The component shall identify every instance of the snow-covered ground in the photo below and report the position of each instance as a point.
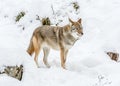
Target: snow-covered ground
(87, 63)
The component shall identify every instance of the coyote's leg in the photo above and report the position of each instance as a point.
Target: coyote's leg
(36, 49)
(66, 52)
(46, 53)
(62, 55)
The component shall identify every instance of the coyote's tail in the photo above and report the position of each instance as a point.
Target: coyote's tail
(30, 49)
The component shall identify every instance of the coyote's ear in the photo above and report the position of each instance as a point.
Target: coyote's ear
(80, 20)
(71, 21)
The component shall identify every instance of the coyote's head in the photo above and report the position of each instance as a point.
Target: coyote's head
(76, 28)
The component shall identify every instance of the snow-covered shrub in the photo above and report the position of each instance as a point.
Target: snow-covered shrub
(75, 5)
(46, 21)
(19, 16)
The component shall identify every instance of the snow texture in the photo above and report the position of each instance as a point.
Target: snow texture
(87, 63)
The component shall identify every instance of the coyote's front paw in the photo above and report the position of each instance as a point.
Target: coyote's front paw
(47, 65)
(63, 66)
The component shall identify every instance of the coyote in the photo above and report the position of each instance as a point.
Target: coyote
(55, 37)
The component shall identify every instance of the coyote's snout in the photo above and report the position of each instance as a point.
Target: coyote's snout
(58, 38)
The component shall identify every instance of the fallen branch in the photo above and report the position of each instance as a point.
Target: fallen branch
(113, 56)
(14, 71)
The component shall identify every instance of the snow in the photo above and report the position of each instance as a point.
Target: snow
(87, 63)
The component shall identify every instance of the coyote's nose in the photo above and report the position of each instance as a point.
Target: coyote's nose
(82, 33)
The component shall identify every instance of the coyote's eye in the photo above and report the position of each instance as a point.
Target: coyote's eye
(73, 28)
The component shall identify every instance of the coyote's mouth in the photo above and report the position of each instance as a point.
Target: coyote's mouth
(79, 35)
